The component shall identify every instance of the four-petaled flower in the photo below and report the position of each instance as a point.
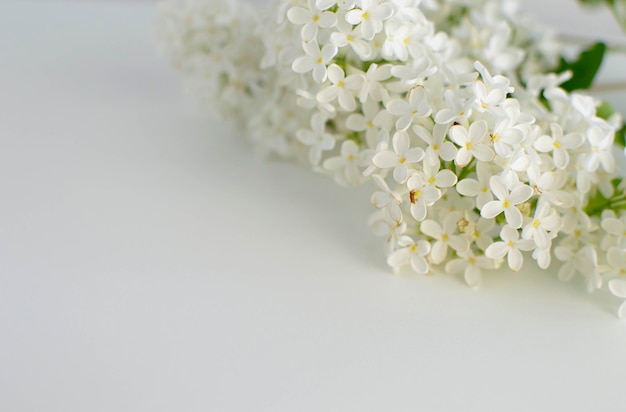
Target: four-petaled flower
(401, 156)
(511, 246)
(471, 143)
(315, 60)
(410, 253)
(370, 17)
(421, 195)
(311, 19)
(317, 138)
(445, 235)
(559, 145)
(507, 202)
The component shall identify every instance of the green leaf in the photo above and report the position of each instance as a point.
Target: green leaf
(584, 69)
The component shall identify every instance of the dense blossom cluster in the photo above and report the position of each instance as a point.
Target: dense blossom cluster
(477, 157)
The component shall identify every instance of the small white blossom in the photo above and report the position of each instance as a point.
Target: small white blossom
(471, 266)
(342, 88)
(471, 143)
(507, 202)
(415, 108)
(369, 17)
(445, 236)
(317, 138)
(310, 19)
(315, 60)
(559, 145)
(421, 196)
(401, 156)
(510, 246)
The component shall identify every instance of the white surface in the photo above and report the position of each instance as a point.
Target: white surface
(150, 262)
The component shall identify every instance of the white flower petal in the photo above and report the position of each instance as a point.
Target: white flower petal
(299, 15)
(401, 142)
(468, 187)
(458, 243)
(492, 209)
(385, 159)
(399, 258)
(418, 210)
(497, 250)
(618, 288)
(513, 217)
(400, 173)
(303, 64)
(431, 228)
(621, 312)
(566, 272)
(473, 277)
(521, 194)
(515, 259)
(439, 252)
(445, 178)
(419, 264)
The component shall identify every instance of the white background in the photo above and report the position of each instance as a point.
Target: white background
(149, 261)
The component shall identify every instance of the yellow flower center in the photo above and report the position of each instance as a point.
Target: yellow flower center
(506, 204)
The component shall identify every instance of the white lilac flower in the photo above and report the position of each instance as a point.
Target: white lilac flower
(550, 186)
(477, 188)
(510, 246)
(616, 228)
(616, 258)
(348, 36)
(421, 195)
(618, 288)
(369, 17)
(412, 253)
(412, 74)
(342, 88)
(372, 85)
(386, 199)
(471, 142)
(415, 108)
(491, 91)
(315, 60)
(479, 231)
(506, 137)
(438, 146)
(371, 121)
(346, 165)
(559, 145)
(601, 142)
(311, 19)
(445, 236)
(401, 156)
(471, 265)
(575, 261)
(457, 109)
(317, 138)
(438, 178)
(543, 222)
(507, 202)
